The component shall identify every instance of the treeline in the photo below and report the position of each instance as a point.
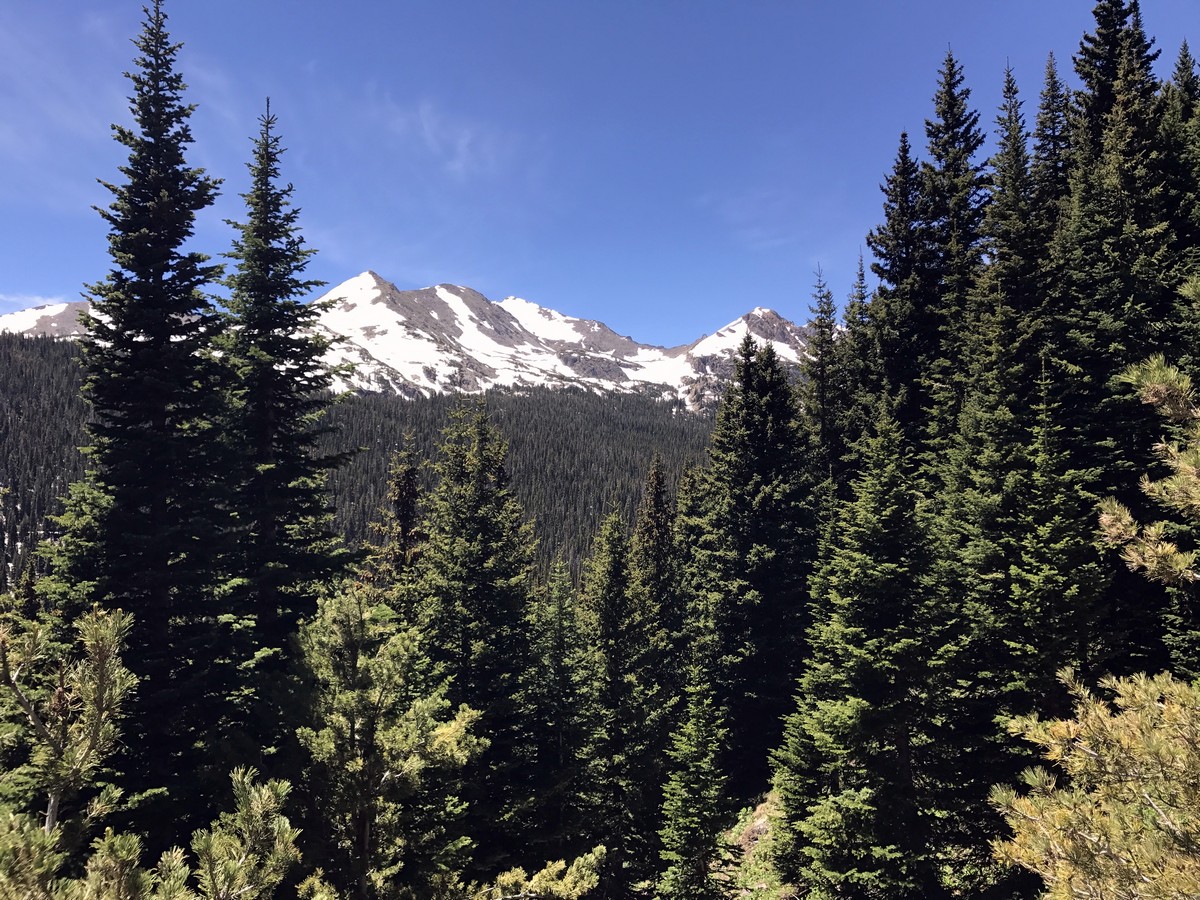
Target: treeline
(854, 611)
(41, 426)
(572, 453)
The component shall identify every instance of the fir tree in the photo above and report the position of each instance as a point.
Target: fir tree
(902, 315)
(852, 773)
(273, 422)
(155, 458)
(473, 584)
(749, 560)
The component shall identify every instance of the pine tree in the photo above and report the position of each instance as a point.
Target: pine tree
(386, 752)
(1123, 825)
(155, 458)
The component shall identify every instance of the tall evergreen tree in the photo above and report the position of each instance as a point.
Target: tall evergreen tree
(1050, 165)
(975, 529)
(280, 392)
(1057, 580)
(692, 833)
(1185, 80)
(955, 196)
(1118, 36)
(854, 364)
(392, 555)
(155, 459)
(561, 689)
(751, 556)
(902, 314)
(473, 584)
(818, 394)
(655, 595)
(852, 773)
(625, 754)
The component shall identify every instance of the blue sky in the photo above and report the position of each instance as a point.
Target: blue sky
(661, 165)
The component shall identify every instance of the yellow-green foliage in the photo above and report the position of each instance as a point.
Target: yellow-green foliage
(1126, 826)
(557, 881)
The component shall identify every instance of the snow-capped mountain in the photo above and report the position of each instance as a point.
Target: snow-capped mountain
(451, 338)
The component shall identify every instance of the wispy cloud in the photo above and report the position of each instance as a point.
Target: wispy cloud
(57, 108)
(461, 147)
(14, 302)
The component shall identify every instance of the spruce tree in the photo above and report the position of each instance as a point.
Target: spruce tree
(472, 587)
(902, 314)
(625, 771)
(750, 557)
(1113, 298)
(273, 422)
(1057, 580)
(976, 526)
(1051, 161)
(392, 555)
(656, 598)
(857, 814)
(693, 851)
(561, 689)
(817, 394)
(1118, 36)
(156, 463)
(854, 364)
(955, 199)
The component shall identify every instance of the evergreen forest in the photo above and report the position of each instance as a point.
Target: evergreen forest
(919, 621)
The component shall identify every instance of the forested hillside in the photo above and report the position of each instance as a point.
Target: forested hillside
(573, 454)
(820, 665)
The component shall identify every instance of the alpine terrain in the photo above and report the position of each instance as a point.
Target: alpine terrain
(449, 338)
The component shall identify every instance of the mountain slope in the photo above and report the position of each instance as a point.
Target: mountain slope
(449, 338)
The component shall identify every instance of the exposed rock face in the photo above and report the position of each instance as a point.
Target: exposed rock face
(451, 338)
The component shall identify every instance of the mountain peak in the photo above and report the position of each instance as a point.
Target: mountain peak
(449, 337)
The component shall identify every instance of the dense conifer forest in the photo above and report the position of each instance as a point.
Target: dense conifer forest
(821, 647)
(573, 455)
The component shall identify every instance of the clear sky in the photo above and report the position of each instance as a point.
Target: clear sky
(661, 165)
